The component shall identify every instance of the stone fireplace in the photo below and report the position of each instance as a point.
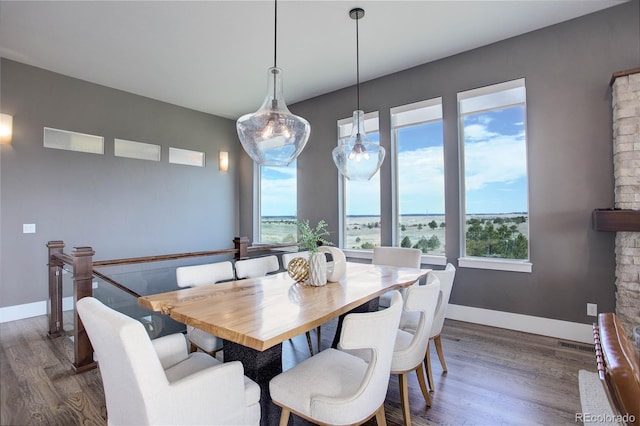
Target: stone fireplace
(626, 159)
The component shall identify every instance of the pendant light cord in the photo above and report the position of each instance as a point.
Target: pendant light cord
(275, 34)
(274, 104)
(357, 64)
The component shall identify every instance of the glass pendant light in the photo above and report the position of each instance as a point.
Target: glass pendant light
(357, 158)
(273, 136)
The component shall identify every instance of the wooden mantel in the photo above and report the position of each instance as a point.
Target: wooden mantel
(616, 220)
(623, 74)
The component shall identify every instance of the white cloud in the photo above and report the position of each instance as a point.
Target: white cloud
(421, 180)
(279, 195)
(496, 159)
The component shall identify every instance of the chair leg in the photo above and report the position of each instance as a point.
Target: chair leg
(404, 397)
(284, 416)
(318, 337)
(381, 419)
(438, 343)
(423, 384)
(309, 342)
(427, 366)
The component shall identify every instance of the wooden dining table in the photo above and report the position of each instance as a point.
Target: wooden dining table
(254, 316)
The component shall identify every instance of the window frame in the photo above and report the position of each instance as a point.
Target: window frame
(501, 264)
(257, 203)
(429, 259)
(347, 124)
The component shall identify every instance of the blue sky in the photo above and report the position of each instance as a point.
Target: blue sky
(278, 190)
(495, 162)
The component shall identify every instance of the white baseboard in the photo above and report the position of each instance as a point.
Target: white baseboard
(529, 324)
(28, 310)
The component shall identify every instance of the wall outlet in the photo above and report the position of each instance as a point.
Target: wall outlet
(28, 228)
(592, 309)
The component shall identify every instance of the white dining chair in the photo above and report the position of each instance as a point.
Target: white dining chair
(199, 275)
(395, 256)
(409, 320)
(288, 257)
(446, 285)
(336, 387)
(411, 343)
(256, 267)
(158, 382)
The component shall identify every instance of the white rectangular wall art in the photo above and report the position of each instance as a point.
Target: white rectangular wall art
(186, 157)
(73, 141)
(137, 150)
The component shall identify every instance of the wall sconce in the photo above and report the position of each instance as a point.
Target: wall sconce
(6, 128)
(223, 159)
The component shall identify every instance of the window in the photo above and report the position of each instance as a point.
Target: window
(361, 200)
(416, 132)
(278, 204)
(493, 157)
(73, 141)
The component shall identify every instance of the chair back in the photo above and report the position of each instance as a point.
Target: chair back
(397, 256)
(129, 365)
(288, 257)
(210, 273)
(420, 302)
(446, 284)
(374, 332)
(256, 267)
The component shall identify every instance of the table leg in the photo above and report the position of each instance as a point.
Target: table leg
(370, 306)
(261, 367)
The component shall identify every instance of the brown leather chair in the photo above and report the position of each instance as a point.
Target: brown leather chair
(618, 367)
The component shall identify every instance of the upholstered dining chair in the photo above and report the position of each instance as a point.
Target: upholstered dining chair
(158, 382)
(288, 257)
(395, 256)
(446, 285)
(256, 267)
(338, 388)
(411, 344)
(410, 319)
(198, 275)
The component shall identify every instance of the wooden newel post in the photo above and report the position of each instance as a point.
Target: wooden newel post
(82, 287)
(241, 245)
(55, 289)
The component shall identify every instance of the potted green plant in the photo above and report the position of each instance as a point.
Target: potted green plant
(310, 239)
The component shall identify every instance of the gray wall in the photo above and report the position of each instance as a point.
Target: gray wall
(121, 207)
(567, 69)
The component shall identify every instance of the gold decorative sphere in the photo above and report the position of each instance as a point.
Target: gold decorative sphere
(298, 269)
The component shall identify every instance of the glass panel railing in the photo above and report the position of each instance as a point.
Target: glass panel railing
(119, 287)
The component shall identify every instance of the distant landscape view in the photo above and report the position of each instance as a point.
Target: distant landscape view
(488, 235)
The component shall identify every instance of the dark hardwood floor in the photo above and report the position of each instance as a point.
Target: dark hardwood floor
(496, 377)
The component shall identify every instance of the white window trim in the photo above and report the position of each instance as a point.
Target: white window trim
(342, 222)
(512, 265)
(394, 159)
(257, 213)
(495, 264)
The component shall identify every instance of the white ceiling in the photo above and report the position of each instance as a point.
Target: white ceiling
(212, 56)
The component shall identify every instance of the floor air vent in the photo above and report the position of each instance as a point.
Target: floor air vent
(571, 345)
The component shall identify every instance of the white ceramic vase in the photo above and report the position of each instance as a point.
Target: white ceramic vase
(317, 269)
(338, 265)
